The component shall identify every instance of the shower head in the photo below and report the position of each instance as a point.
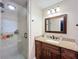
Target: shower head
(1, 5)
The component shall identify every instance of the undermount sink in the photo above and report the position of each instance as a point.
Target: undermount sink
(52, 41)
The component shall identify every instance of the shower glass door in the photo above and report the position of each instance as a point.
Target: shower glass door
(13, 31)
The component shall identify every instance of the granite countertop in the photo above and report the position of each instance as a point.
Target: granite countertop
(60, 43)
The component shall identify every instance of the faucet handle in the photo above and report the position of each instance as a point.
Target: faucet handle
(51, 37)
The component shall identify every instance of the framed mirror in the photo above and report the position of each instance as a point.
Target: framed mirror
(56, 24)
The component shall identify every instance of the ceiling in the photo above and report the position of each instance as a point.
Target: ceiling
(19, 2)
(41, 3)
(46, 3)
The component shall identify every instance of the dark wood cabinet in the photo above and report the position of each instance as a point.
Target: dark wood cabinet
(68, 54)
(46, 54)
(48, 51)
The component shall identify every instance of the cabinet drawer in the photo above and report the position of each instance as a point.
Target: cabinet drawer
(37, 42)
(52, 48)
(67, 51)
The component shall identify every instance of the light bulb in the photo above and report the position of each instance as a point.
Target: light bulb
(57, 9)
(52, 10)
(11, 7)
(48, 12)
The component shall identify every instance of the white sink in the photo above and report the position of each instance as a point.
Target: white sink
(53, 41)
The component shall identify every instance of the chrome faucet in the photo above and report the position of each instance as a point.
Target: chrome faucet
(54, 37)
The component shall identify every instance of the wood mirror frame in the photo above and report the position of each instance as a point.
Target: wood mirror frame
(65, 24)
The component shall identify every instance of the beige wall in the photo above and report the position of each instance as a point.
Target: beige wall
(0, 19)
(36, 27)
(68, 7)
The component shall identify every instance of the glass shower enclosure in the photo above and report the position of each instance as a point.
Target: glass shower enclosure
(13, 31)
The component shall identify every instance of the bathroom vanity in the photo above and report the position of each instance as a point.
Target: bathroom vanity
(51, 47)
(50, 50)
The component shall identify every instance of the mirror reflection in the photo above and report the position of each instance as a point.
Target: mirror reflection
(56, 24)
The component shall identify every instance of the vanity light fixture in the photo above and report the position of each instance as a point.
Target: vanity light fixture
(50, 11)
(11, 7)
(57, 9)
(53, 10)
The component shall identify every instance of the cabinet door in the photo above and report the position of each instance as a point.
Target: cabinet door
(38, 49)
(55, 55)
(46, 53)
(68, 54)
(50, 52)
(55, 52)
